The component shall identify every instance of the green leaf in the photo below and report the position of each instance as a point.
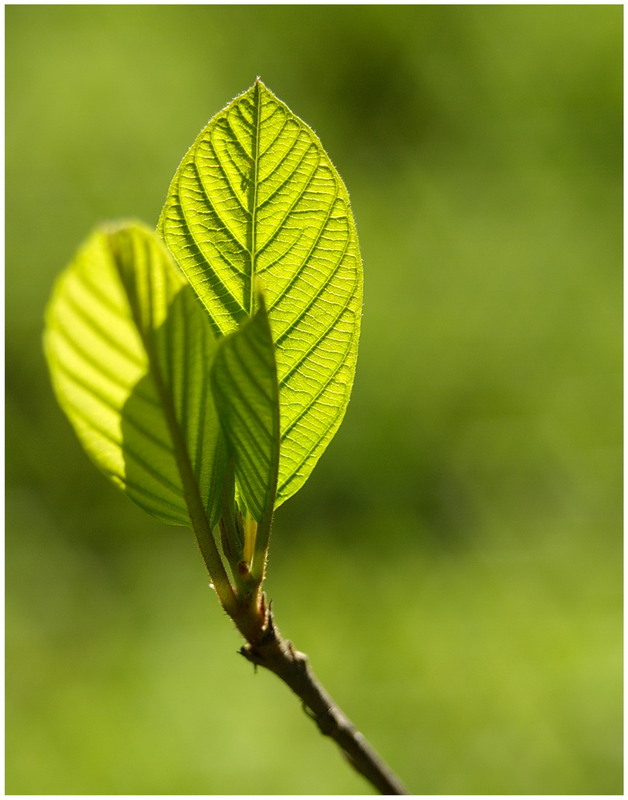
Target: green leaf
(257, 196)
(244, 382)
(129, 349)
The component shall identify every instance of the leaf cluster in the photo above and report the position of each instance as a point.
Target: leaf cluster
(205, 366)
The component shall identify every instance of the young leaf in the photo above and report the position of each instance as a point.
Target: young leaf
(257, 196)
(129, 350)
(244, 382)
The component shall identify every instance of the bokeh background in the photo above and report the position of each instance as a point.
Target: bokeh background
(453, 566)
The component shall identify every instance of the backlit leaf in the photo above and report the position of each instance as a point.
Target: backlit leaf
(129, 349)
(244, 381)
(257, 196)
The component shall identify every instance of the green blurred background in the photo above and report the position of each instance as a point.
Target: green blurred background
(453, 566)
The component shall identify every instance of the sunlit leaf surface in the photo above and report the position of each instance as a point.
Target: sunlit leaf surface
(256, 196)
(246, 393)
(129, 349)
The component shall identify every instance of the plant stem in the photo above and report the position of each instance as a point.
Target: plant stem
(278, 655)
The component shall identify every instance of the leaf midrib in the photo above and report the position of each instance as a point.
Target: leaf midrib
(253, 191)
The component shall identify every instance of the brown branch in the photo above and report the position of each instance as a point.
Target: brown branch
(278, 655)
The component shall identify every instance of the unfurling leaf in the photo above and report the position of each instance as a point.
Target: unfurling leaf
(256, 196)
(244, 382)
(129, 349)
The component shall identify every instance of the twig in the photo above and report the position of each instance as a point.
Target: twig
(278, 655)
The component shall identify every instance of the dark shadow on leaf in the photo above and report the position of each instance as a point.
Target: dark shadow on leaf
(170, 417)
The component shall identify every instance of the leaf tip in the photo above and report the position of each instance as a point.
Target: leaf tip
(259, 84)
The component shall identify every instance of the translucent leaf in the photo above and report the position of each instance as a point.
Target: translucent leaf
(244, 380)
(129, 349)
(257, 196)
